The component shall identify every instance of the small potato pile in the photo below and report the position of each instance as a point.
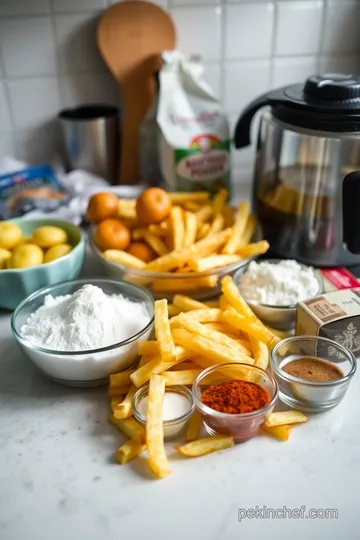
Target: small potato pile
(46, 244)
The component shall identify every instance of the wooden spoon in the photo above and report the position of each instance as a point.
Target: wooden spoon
(130, 36)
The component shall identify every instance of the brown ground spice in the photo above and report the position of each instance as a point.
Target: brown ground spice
(313, 369)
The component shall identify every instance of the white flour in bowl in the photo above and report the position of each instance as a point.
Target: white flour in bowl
(86, 320)
(283, 283)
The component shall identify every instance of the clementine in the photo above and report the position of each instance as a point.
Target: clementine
(153, 206)
(142, 251)
(102, 206)
(112, 234)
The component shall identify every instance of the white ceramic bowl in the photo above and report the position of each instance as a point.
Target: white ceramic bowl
(85, 368)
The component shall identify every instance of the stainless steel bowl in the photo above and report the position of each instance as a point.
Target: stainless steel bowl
(306, 395)
(280, 317)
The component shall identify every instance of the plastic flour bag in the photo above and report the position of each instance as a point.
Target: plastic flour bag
(194, 140)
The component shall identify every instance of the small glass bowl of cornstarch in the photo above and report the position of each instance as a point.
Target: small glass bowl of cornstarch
(273, 287)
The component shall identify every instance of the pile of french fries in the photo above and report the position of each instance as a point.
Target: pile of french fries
(191, 336)
(200, 235)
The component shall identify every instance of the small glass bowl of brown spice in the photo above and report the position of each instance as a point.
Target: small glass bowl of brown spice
(234, 399)
(313, 373)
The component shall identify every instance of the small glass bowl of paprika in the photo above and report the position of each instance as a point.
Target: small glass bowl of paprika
(234, 399)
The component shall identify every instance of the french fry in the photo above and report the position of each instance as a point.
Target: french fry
(163, 332)
(217, 225)
(282, 433)
(138, 234)
(234, 298)
(178, 228)
(130, 427)
(190, 223)
(254, 330)
(156, 366)
(188, 284)
(201, 447)
(122, 378)
(146, 359)
(202, 231)
(124, 409)
(127, 209)
(193, 430)
(214, 261)
(128, 451)
(184, 377)
(192, 206)
(285, 417)
(248, 232)
(215, 352)
(201, 315)
(211, 303)
(260, 353)
(156, 243)
(210, 244)
(204, 214)
(115, 401)
(185, 303)
(157, 230)
(228, 215)
(185, 197)
(238, 228)
(173, 310)
(219, 201)
(116, 391)
(154, 428)
(121, 257)
(252, 250)
(171, 260)
(200, 329)
(148, 348)
(223, 303)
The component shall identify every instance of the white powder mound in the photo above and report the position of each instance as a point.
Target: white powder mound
(279, 284)
(88, 319)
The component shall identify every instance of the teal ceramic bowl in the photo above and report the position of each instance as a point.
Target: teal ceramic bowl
(15, 285)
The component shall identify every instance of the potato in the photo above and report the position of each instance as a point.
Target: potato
(55, 252)
(26, 256)
(10, 235)
(5, 254)
(49, 235)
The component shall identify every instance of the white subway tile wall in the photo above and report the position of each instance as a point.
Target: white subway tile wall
(49, 59)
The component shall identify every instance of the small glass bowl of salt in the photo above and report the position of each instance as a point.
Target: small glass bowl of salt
(178, 407)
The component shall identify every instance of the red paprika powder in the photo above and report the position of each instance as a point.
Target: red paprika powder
(236, 397)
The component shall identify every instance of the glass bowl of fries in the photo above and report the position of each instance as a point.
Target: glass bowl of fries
(239, 426)
(198, 243)
(83, 368)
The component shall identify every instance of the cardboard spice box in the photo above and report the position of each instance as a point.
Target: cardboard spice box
(334, 315)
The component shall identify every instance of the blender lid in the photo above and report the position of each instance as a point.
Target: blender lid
(327, 102)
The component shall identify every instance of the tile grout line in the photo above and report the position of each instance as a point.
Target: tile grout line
(273, 43)
(220, 5)
(320, 52)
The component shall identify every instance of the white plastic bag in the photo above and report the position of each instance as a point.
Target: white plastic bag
(194, 139)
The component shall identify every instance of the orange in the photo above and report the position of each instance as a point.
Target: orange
(102, 206)
(142, 251)
(112, 234)
(153, 206)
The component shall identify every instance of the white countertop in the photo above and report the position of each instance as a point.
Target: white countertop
(58, 479)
